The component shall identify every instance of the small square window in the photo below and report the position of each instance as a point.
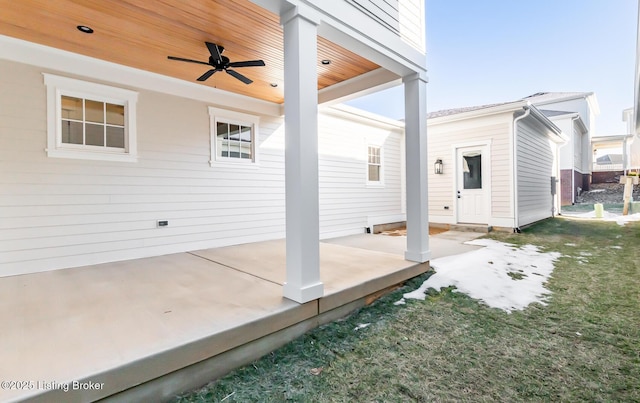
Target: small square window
(233, 137)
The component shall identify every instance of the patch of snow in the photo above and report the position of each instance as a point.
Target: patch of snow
(597, 191)
(607, 216)
(401, 301)
(483, 274)
(570, 244)
(623, 219)
(361, 326)
(616, 247)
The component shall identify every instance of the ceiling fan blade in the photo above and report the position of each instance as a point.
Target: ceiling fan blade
(215, 50)
(206, 75)
(187, 60)
(239, 76)
(248, 63)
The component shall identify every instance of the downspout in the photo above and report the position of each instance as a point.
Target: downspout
(527, 112)
(573, 163)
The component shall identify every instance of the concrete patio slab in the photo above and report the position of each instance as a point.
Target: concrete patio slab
(146, 329)
(90, 322)
(267, 260)
(443, 244)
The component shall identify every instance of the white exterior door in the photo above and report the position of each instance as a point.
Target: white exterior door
(471, 185)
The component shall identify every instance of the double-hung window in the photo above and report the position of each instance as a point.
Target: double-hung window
(374, 165)
(233, 137)
(90, 121)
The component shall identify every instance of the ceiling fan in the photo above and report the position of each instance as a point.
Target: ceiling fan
(221, 63)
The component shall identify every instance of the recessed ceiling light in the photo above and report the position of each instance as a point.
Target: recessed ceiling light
(85, 29)
(274, 85)
(326, 61)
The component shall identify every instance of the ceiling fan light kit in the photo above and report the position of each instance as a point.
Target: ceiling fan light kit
(221, 63)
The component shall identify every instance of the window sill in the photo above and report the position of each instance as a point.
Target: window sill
(91, 155)
(374, 185)
(234, 164)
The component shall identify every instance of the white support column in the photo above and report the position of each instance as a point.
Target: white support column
(301, 158)
(415, 100)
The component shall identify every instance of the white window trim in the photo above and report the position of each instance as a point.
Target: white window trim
(380, 183)
(239, 118)
(58, 86)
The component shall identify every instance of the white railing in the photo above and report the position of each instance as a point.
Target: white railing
(607, 167)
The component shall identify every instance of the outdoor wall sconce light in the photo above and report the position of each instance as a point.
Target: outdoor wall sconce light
(438, 167)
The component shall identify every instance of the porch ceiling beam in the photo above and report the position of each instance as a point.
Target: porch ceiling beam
(373, 81)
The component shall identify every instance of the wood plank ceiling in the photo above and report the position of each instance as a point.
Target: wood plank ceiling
(142, 33)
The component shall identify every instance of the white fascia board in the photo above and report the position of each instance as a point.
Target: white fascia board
(581, 125)
(352, 113)
(21, 51)
(581, 95)
(494, 110)
(575, 116)
(610, 139)
(373, 81)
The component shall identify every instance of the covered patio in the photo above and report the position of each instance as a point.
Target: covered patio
(143, 308)
(146, 329)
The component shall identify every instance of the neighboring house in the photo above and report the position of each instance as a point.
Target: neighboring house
(574, 113)
(110, 151)
(611, 157)
(498, 163)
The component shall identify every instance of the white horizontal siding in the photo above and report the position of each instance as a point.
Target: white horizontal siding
(535, 166)
(57, 213)
(404, 19)
(346, 202)
(412, 22)
(384, 11)
(445, 137)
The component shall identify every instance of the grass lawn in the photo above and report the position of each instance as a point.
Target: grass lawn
(583, 346)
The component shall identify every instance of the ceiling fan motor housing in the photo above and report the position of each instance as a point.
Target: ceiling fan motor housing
(219, 64)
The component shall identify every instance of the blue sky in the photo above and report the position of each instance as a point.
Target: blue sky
(488, 51)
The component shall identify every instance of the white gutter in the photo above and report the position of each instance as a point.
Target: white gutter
(527, 112)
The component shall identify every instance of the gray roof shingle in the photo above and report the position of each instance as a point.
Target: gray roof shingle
(447, 112)
(554, 96)
(538, 97)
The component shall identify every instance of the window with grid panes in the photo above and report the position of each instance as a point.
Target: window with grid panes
(374, 172)
(234, 141)
(90, 121)
(233, 137)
